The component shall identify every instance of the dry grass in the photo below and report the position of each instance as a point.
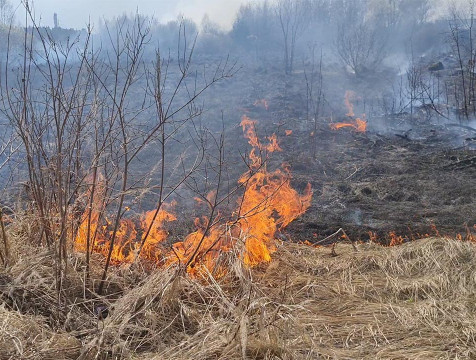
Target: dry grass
(415, 301)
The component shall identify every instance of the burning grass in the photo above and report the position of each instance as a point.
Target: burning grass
(243, 293)
(268, 205)
(412, 301)
(357, 124)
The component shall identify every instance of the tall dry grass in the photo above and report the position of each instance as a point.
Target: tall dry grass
(415, 301)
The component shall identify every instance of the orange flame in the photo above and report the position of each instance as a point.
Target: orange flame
(268, 205)
(248, 126)
(127, 242)
(396, 240)
(359, 124)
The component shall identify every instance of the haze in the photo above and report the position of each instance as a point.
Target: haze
(75, 14)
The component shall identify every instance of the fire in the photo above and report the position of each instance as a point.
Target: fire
(157, 234)
(469, 236)
(268, 204)
(359, 124)
(288, 132)
(257, 150)
(395, 239)
(128, 241)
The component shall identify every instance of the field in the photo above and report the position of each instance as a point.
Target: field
(413, 301)
(300, 186)
(363, 300)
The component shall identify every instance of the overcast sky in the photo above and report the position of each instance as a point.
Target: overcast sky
(75, 13)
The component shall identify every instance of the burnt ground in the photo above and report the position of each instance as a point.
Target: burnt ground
(407, 174)
(368, 182)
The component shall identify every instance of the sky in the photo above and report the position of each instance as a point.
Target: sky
(75, 13)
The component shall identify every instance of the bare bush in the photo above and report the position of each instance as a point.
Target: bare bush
(359, 47)
(85, 116)
(293, 20)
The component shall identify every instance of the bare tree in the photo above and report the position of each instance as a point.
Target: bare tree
(414, 80)
(461, 39)
(83, 128)
(394, 13)
(359, 46)
(293, 20)
(49, 121)
(314, 95)
(6, 12)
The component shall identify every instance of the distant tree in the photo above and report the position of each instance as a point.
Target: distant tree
(212, 40)
(415, 12)
(359, 47)
(360, 42)
(293, 17)
(9, 33)
(209, 27)
(463, 45)
(253, 20)
(345, 10)
(385, 13)
(6, 12)
(256, 30)
(393, 13)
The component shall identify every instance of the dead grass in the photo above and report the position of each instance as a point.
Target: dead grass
(415, 301)
(27, 337)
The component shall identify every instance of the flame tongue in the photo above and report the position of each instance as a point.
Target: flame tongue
(268, 204)
(157, 234)
(359, 125)
(128, 242)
